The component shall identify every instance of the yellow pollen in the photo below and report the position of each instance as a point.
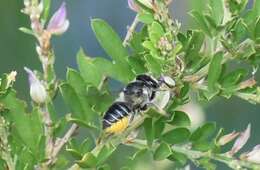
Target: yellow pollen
(119, 126)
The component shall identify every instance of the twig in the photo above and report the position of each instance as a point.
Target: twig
(130, 31)
(116, 140)
(5, 148)
(61, 142)
(195, 155)
(47, 131)
(224, 158)
(43, 48)
(168, 2)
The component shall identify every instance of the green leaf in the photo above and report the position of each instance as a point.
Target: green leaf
(77, 150)
(81, 122)
(137, 64)
(201, 21)
(125, 168)
(178, 158)
(153, 65)
(211, 23)
(113, 46)
(207, 164)
(233, 78)
(27, 126)
(72, 100)
(74, 153)
(109, 40)
(155, 31)
(149, 45)
(140, 153)
(76, 81)
(179, 118)
(257, 30)
(104, 167)
(256, 6)
(175, 136)
(27, 31)
(246, 49)
(94, 96)
(104, 153)
(215, 69)
(249, 20)
(195, 42)
(88, 69)
(146, 17)
(149, 131)
(203, 145)
(46, 11)
(86, 145)
(41, 147)
(107, 68)
(217, 10)
(236, 7)
(159, 126)
(185, 90)
(136, 42)
(162, 152)
(88, 161)
(202, 133)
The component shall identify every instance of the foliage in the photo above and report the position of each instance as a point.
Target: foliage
(196, 59)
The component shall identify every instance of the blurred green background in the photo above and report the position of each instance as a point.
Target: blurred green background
(17, 50)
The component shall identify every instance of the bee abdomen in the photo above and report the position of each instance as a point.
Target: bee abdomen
(116, 118)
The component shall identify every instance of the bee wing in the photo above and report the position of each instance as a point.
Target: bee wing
(120, 97)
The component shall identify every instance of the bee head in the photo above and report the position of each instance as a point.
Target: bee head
(149, 81)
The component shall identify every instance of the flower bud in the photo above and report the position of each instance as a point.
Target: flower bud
(132, 5)
(37, 90)
(254, 155)
(26, 3)
(59, 23)
(227, 138)
(241, 140)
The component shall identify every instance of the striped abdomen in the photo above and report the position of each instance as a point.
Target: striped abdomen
(116, 118)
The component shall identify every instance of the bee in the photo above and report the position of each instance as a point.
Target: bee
(116, 118)
(139, 95)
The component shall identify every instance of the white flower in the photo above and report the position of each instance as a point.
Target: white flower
(241, 140)
(59, 23)
(254, 155)
(11, 78)
(37, 90)
(227, 138)
(132, 5)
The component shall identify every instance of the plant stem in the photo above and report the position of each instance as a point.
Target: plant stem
(61, 142)
(224, 158)
(47, 130)
(194, 155)
(130, 31)
(115, 140)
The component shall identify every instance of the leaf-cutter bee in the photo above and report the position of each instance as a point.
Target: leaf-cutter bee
(139, 95)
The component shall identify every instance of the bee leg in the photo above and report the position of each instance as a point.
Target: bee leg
(131, 137)
(133, 115)
(160, 110)
(103, 137)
